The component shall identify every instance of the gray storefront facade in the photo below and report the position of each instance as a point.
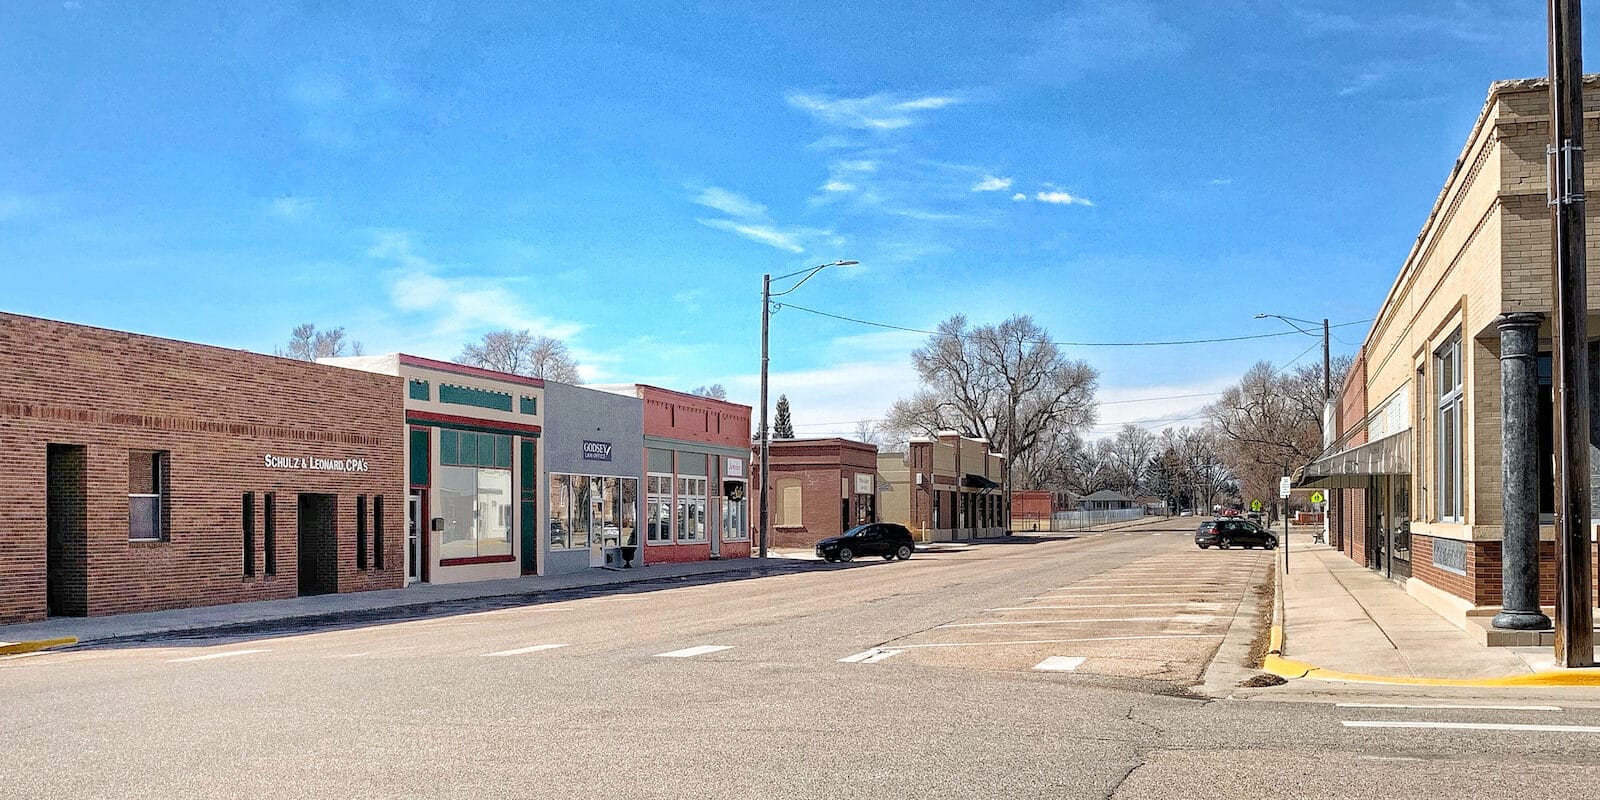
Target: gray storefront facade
(594, 462)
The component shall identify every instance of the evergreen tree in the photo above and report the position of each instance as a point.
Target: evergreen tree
(783, 427)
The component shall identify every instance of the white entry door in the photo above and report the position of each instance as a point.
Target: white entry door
(414, 538)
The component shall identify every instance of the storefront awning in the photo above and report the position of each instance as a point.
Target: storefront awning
(979, 482)
(1355, 467)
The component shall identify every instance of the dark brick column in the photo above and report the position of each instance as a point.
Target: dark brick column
(1519, 473)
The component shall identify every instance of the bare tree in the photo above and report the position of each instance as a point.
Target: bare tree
(1131, 452)
(869, 433)
(1006, 383)
(522, 353)
(1271, 421)
(714, 391)
(306, 343)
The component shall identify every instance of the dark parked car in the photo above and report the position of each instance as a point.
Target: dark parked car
(872, 539)
(1226, 533)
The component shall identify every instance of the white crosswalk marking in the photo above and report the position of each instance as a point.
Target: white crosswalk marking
(1435, 706)
(691, 652)
(1060, 663)
(530, 649)
(209, 656)
(872, 656)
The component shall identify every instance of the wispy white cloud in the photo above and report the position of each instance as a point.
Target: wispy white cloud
(15, 205)
(750, 219)
(878, 112)
(731, 203)
(1105, 34)
(1058, 197)
(1221, 181)
(289, 208)
(1362, 83)
(1019, 197)
(757, 232)
(440, 309)
(837, 185)
(990, 183)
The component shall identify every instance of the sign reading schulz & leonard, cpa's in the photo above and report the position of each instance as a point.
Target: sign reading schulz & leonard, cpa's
(315, 463)
(596, 451)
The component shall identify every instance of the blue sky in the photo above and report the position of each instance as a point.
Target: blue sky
(621, 174)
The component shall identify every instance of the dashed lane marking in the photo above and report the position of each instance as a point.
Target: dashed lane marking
(1188, 604)
(1084, 621)
(872, 656)
(1471, 726)
(1060, 663)
(1436, 706)
(1064, 641)
(209, 656)
(698, 650)
(521, 650)
(348, 655)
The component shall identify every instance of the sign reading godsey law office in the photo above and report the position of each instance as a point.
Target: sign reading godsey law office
(596, 451)
(317, 463)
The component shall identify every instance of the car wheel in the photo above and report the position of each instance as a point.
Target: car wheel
(1272, 545)
(903, 553)
(846, 555)
(1224, 543)
(1205, 547)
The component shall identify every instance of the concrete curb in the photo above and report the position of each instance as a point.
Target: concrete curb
(15, 648)
(1276, 664)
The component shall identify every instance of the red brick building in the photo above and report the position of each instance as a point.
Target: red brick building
(142, 473)
(944, 488)
(1033, 509)
(820, 488)
(697, 468)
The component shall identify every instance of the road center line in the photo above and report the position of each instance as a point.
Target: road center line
(530, 649)
(1187, 604)
(1064, 641)
(1471, 726)
(1084, 621)
(209, 656)
(1448, 706)
(698, 650)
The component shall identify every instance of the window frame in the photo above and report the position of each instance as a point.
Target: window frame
(655, 501)
(1448, 449)
(160, 480)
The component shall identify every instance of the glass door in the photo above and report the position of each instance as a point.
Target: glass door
(414, 538)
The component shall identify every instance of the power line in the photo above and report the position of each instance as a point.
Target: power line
(888, 326)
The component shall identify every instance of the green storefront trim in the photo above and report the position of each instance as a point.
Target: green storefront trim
(485, 427)
(421, 458)
(478, 398)
(418, 390)
(530, 529)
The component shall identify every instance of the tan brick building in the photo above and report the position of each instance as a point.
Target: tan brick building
(1416, 469)
(944, 488)
(139, 473)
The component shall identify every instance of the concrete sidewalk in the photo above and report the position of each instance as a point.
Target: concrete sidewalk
(125, 626)
(1342, 621)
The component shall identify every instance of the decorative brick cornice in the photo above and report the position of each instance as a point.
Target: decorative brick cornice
(116, 419)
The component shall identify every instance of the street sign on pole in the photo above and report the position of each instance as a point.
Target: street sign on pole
(1317, 498)
(1283, 487)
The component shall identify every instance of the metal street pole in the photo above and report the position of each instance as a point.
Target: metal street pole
(765, 440)
(766, 313)
(1327, 370)
(1574, 623)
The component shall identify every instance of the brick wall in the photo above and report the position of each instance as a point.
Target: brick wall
(216, 412)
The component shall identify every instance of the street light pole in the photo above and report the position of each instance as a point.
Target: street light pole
(765, 440)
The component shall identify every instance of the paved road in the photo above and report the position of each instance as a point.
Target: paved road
(870, 680)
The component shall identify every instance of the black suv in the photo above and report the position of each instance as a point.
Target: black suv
(872, 539)
(1225, 533)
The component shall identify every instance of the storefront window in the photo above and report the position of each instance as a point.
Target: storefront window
(691, 509)
(735, 520)
(658, 509)
(587, 510)
(476, 504)
(1447, 450)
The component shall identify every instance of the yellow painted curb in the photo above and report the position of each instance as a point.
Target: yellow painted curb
(1292, 669)
(13, 648)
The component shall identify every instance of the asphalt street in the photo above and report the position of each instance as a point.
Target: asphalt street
(1100, 665)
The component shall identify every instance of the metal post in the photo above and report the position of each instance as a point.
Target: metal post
(1519, 474)
(1286, 526)
(766, 312)
(1327, 371)
(1574, 623)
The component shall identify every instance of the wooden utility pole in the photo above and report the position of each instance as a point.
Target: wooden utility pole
(1574, 613)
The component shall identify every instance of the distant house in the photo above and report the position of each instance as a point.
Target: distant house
(1106, 500)
(1152, 505)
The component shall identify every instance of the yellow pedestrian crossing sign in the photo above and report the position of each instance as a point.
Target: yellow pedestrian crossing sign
(1316, 497)
(1255, 505)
